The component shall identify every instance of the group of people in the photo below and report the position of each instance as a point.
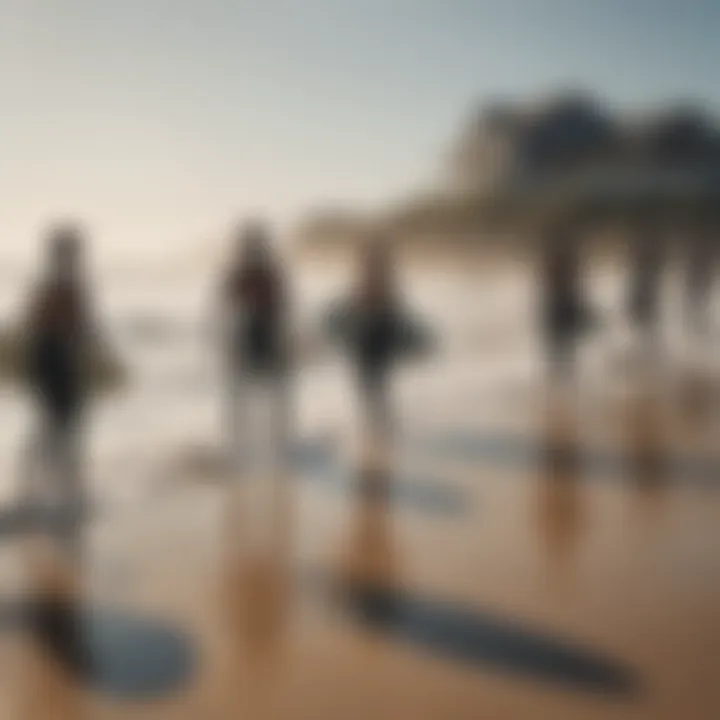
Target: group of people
(61, 339)
(565, 308)
(372, 325)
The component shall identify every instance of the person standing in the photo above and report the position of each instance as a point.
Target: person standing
(376, 326)
(565, 314)
(59, 331)
(255, 306)
(646, 274)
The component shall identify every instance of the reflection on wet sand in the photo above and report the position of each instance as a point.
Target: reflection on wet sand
(648, 464)
(699, 399)
(515, 452)
(370, 555)
(317, 461)
(559, 503)
(370, 589)
(256, 593)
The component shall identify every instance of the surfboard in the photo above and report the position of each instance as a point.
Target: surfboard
(410, 337)
(107, 372)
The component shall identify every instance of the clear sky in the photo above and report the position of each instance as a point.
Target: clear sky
(160, 120)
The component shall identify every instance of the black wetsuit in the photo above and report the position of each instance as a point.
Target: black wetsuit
(564, 313)
(56, 352)
(258, 344)
(376, 344)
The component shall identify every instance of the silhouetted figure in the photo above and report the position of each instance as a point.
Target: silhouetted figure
(377, 326)
(647, 266)
(565, 312)
(255, 306)
(701, 262)
(370, 557)
(59, 331)
(377, 330)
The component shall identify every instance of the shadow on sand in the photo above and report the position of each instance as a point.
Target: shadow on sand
(369, 587)
(478, 639)
(117, 654)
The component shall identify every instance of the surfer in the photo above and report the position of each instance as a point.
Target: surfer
(254, 302)
(375, 319)
(59, 329)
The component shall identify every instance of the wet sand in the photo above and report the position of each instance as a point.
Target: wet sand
(516, 553)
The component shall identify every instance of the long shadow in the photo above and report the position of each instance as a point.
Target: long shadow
(467, 636)
(519, 452)
(120, 655)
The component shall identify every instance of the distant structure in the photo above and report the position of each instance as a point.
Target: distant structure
(684, 139)
(507, 145)
(515, 157)
(572, 138)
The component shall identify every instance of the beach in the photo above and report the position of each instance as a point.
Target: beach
(543, 553)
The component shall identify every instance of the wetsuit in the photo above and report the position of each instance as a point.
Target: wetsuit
(376, 340)
(257, 354)
(375, 346)
(56, 368)
(57, 349)
(257, 332)
(564, 314)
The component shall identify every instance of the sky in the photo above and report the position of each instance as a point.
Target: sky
(160, 122)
